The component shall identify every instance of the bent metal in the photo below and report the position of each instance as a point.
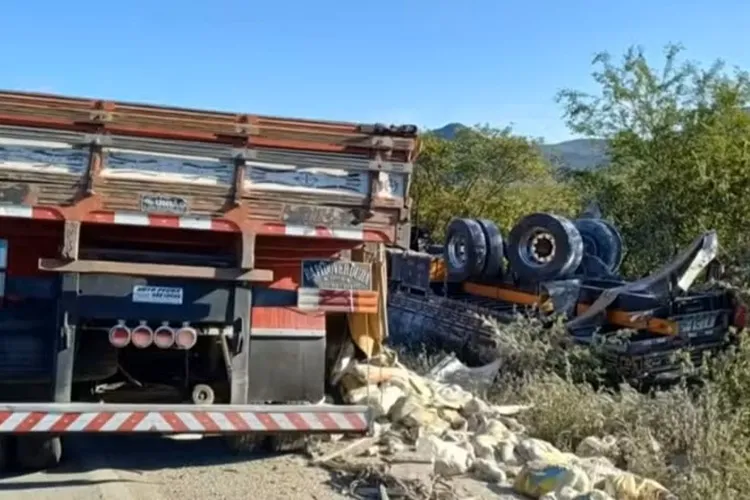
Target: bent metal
(336, 275)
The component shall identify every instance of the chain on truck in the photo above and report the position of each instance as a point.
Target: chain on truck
(164, 269)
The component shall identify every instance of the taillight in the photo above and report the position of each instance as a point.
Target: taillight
(186, 337)
(119, 335)
(142, 336)
(164, 337)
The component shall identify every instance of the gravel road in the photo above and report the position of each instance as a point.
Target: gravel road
(139, 467)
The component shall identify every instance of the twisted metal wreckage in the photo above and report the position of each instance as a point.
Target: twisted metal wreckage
(549, 265)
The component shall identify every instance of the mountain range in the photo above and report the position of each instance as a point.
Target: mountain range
(576, 154)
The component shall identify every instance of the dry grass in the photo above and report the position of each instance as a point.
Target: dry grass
(694, 441)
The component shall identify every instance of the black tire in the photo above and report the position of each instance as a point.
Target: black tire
(286, 443)
(619, 244)
(466, 232)
(95, 359)
(6, 453)
(543, 247)
(602, 240)
(38, 452)
(495, 262)
(247, 443)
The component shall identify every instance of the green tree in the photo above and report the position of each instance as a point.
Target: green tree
(484, 172)
(679, 142)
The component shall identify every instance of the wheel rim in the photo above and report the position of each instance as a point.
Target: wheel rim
(457, 253)
(202, 395)
(540, 248)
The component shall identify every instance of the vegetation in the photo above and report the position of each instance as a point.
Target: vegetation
(697, 443)
(679, 160)
(484, 172)
(678, 145)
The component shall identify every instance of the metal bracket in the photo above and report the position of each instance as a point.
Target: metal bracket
(397, 167)
(244, 126)
(244, 153)
(102, 112)
(92, 169)
(97, 140)
(247, 250)
(239, 181)
(382, 143)
(71, 240)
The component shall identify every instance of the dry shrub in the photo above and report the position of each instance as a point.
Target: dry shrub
(695, 441)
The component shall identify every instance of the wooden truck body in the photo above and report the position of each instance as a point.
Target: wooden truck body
(149, 246)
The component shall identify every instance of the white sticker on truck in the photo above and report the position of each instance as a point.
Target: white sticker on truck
(157, 294)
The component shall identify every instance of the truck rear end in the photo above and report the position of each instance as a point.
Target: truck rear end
(156, 261)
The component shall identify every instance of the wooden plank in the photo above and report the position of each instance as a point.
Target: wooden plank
(141, 269)
(60, 112)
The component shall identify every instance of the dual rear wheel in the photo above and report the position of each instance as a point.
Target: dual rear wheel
(540, 247)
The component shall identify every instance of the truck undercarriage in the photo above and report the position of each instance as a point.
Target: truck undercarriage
(560, 267)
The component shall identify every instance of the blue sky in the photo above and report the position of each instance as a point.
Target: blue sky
(427, 62)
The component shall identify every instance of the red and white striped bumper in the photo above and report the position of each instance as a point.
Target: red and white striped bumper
(65, 418)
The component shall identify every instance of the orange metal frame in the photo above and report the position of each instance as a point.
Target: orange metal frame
(617, 317)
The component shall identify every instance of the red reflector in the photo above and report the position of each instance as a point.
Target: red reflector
(119, 336)
(142, 336)
(186, 337)
(164, 337)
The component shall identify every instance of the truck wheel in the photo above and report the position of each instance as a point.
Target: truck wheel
(286, 443)
(246, 443)
(96, 359)
(38, 452)
(543, 247)
(465, 250)
(602, 240)
(203, 395)
(493, 267)
(6, 452)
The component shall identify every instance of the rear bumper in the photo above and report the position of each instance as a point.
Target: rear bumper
(68, 418)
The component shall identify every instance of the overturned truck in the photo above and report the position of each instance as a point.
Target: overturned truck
(549, 265)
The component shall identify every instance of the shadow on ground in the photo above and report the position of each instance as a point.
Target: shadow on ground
(135, 454)
(147, 453)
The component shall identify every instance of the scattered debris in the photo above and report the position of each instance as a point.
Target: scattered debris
(433, 434)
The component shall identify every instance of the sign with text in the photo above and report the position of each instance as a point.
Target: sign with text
(336, 275)
(156, 203)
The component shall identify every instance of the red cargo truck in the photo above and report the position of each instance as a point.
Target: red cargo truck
(145, 246)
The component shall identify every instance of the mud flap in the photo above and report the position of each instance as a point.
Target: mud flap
(67, 320)
(240, 359)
